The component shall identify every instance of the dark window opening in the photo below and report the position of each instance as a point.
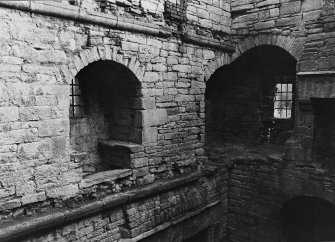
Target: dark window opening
(75, 99)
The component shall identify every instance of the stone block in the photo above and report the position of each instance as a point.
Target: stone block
(130, 46)
(25, 188)
(151, 77)
(159, 67)
(139, 162)
(265, 25)
(154, 117)
(149, 135)
(63, 192)
(53, 127)
(182, 68)
(7, 205)
(294, 20)
(33, 198)
(267, 2)
(9, 114)
(54, 56)
(7, 191)
(308, 5)
(208, 54)
(290, 8)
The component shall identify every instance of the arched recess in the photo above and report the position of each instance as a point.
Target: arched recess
(307, 219)
(250, 101)
(294, 46)
(105, 109)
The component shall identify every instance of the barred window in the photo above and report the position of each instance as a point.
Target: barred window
(283, 100)
(75, 99)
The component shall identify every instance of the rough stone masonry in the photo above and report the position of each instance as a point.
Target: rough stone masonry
(105, 106)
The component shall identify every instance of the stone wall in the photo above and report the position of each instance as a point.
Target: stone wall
(141, 214)
(309, 22)
(39, 60)
(260, 185)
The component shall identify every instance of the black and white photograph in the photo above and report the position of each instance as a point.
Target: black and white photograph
(167, 120)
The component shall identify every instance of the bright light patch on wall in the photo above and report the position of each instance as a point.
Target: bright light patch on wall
(283, 100)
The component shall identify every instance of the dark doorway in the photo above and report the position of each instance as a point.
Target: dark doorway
(324, 131)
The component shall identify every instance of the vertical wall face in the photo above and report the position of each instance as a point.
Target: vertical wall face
(212, 17)
(153, 98)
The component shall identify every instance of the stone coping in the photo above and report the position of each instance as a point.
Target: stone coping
(315, 73)
(61, 10)
(132, 147)
(29, 226)
(207, 42)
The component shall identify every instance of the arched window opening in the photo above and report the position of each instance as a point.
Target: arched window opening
(251, 101)
(105, 116)
(307, 219)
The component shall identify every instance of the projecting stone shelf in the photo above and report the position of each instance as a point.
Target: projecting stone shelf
(207, 42)
(119, 154)
(104, 177)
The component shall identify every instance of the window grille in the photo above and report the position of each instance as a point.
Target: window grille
(283, 100)
(75, 96)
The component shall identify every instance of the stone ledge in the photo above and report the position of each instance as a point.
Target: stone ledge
(207, 42)
(27, 227)
(315, 73)
(104, 177)
(131, 147)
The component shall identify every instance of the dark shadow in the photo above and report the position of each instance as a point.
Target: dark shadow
(308, 219)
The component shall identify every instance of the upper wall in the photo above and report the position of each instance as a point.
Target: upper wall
(204, 17)
(310, 21)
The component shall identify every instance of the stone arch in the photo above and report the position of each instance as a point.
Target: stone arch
(215, 64)
(86, 57)
(294, 46)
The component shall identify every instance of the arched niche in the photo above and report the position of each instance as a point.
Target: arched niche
(243, 98)
(105, 116)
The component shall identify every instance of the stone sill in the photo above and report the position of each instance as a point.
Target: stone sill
(28, 227)
(115, 144)
(104, 177)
